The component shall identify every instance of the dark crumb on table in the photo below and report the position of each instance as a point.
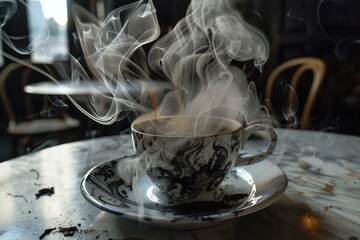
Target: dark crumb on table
(86, 231)
(69, 231)
(45, 191)
(46, 232)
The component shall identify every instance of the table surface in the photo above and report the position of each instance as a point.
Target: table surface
(321, 201)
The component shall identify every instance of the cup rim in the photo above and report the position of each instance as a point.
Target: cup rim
(142, 119)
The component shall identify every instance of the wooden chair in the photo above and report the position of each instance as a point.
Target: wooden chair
(298, 67)
(25, 127)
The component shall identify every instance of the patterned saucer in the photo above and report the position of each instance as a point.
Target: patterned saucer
(245, 190)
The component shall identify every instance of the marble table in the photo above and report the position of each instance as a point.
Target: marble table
(322, 200)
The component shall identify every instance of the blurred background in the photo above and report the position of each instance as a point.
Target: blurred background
(325, 29)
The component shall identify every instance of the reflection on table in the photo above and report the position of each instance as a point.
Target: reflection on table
(65, 88)
(94, 87)
(321, 201)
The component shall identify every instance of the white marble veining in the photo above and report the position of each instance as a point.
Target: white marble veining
(321, 201)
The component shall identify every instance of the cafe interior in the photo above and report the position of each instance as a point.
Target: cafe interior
(311, 71)
(179, 119)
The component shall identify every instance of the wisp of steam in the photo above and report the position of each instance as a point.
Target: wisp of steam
(205, 58)
(197, 70)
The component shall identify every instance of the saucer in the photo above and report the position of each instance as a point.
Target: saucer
(245, 190)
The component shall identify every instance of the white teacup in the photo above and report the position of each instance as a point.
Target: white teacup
(188, 166)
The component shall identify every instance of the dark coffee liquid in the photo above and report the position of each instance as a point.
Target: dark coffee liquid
(183, 126)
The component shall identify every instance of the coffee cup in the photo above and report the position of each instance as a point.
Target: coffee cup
(187, 159)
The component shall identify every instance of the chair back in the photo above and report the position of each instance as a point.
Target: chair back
(18, 105)
(27, 127)
(5, 74)
(299, 67)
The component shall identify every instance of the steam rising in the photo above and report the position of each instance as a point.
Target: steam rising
(113, 53)
(199, 57)
(195, 74)
(199, 69)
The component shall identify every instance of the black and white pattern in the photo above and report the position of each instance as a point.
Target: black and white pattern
(188, 169)
(243, 191)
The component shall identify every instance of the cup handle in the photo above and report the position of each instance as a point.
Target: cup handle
(250, 130)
